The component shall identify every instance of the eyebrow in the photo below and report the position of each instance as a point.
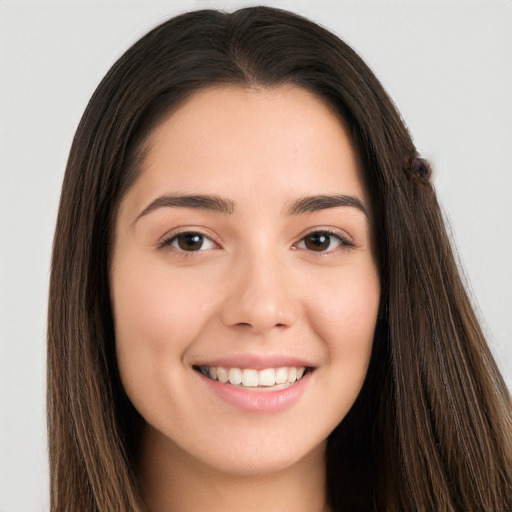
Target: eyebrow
(322, 202)
(198, 202)
(219, 204)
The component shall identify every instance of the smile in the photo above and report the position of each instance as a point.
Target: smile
(268, 378)
(257, 390)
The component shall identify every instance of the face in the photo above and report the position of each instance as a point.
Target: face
(244, 284)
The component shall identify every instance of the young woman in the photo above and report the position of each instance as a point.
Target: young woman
(254, 304)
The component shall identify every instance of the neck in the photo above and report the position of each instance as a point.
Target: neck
(173, 481)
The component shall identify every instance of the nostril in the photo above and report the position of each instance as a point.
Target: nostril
(249, 325)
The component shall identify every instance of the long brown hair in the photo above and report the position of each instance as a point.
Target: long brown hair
(431, 427)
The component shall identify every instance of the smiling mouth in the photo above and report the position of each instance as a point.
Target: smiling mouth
(268, 378)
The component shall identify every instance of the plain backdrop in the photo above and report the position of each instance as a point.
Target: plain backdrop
(447, 64)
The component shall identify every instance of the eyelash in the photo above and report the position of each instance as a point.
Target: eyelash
(343, 242)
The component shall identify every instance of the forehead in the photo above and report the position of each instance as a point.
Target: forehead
(282, 114)
(245, 141)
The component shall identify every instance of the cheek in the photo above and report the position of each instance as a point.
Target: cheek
(156, 316)
(345, 314)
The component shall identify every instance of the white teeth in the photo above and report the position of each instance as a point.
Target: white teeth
(267, 377)
(292, 375)
(281, 375)
(222, 374)
(248, 377)
(235, 376)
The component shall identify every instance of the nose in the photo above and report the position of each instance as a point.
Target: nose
(260, 296)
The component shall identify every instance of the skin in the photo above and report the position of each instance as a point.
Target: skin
(257, 286)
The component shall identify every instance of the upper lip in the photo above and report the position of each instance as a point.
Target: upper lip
(256, 361)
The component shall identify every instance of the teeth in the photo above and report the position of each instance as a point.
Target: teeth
(222, 374)
(235, 376)
(281, 375)
(267, 377)
(251, 378)
(292, 375)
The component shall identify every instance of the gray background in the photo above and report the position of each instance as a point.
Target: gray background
(447, 64)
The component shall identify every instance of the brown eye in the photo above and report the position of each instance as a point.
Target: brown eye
(190, 242)
(317, 241)
(323, 241)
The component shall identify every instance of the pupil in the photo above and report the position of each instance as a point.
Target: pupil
(190, 241)
(318, 242)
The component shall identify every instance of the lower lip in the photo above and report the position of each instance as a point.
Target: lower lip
(259, 401)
